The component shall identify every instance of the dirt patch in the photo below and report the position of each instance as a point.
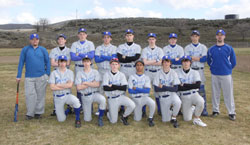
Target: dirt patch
(243, 61)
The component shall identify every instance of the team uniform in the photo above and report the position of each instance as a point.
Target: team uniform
(56, 52)
(62, 97)
(222, 60)
(90, 94)
(141, 95)
(116, 98)
(175, 51)
(103, 54)
(152, 54)
(167, 98)
(128, 68)
(190, 97)
(199, 50)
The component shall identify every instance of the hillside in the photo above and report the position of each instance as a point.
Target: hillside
(237, 31)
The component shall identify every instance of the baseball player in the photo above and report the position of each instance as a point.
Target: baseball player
(79, 50)
(139, 88)
(188, 89)
(221, 59)
(151, 56)
(115, 85)
(104, 53)
(128, 53)
(61, 49)
(198, 53)
(166, 84)
(37, 67)
(174, 50)
(61, 81)
(87, 83)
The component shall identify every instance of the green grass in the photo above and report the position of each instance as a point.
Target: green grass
(48, 131)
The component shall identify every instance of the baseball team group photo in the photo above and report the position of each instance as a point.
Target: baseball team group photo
(124, 72)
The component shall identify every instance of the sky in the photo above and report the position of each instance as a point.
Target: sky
(30, 11)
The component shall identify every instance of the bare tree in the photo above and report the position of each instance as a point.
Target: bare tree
(42, 24)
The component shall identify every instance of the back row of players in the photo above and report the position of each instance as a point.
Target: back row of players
(157, 63)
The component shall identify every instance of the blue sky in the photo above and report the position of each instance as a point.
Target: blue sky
(29, 11)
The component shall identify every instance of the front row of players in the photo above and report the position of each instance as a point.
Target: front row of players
(168, 84)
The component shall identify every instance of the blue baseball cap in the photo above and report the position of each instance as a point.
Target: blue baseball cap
(85, 57)
(62, 57)
(129, 31)
(186, 57)
(195, 32)
(221, 31)
(173, 35)
(61, 35)
(166, 57)
(152, 35)
(82, 30)
(32, 36)
(106, 33)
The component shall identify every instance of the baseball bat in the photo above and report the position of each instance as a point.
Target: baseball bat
(16, 106)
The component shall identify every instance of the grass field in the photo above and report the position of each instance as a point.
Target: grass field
(48, 131)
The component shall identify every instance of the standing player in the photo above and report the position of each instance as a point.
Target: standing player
(37, 66)
(198, 53)
(128, 53)
(104, 53)
(139, 89)
(79, 50)
(190, 84)
(61, 81)
(115, 85)
(151, 56)
(166, 84)
(87, 83)
(221, 59)
(62, 49)
(174, 50)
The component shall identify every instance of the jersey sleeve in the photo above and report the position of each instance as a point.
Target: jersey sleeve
(130, 82)
(71, 75)
(114, 50)
(138, 49)
(204, 50)
(181, 51)
(52, 78)
(123, 80)
(68, 54)
(186, 51)
(78, 78)
(119, 49)
(97, 51)
(73, 47)
(156, 81)
(91, 46)
(196, 76)
(52, 54)
(176, 79)
(144, 53)
(161, 54)
(97, 76)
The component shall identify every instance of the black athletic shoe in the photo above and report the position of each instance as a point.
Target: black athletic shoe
(215, 114)
(78, 124)
(175, 123)
(232, 117)
(29, 117)
(53, 113)
(180, 113)
(144, 114)
(151, 122)
(38, 116)
(124, 120)
(121, 112)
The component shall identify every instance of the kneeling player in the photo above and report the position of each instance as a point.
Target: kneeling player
(139, 89)
(189, 87)
(61, 82)
(115, 85)
(166, 84)
(87, 83)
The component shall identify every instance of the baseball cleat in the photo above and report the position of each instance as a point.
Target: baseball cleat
(204, 113)
(197, 121)
(29, 117)
(38, 116)
(151, 122)
(175, 123)
(53, 113)
(232, 117)
(215, 114)
(78, 124)
(124, 120)
(100, 122)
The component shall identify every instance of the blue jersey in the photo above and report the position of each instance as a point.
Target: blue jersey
(221, 59)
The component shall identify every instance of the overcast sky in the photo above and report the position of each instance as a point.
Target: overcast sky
(29, 11)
